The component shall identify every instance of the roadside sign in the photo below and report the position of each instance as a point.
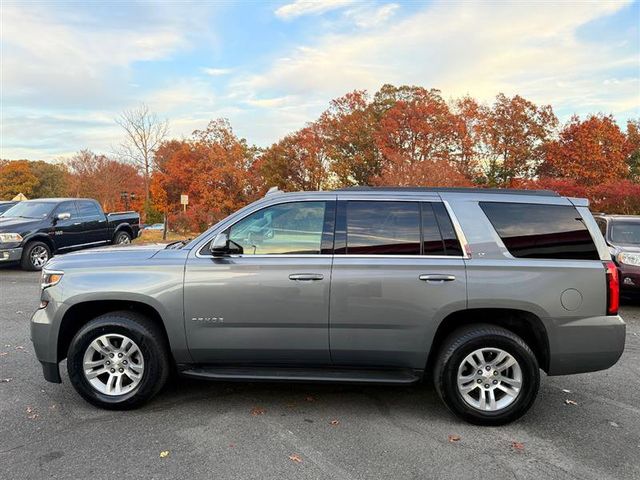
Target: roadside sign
(184, 201)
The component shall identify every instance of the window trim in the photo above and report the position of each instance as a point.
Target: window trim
(335, 201)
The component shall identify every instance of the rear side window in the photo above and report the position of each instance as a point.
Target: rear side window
(541, 231)
(383, 228)
(88, 209)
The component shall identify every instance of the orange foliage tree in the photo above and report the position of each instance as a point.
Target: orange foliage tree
(104, 179)
(592, 151)
(16, 177)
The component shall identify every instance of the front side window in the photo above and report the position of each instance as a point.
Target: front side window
(287, 228)
(67, 207)
(541, 231)
(383, 228)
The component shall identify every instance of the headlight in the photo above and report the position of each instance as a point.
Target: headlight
(629, 258)
(50, 278)
(10, 237)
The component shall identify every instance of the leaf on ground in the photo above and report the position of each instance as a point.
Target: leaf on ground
(31, 413)
(454, 438)
(294, 457)
(310, 398)
(164, 454)
(2, 354)
(6, 380)
(257, 411)
(335, 422)
(614, 424)
(19, 347)
(566, 391)
(232, 445)
(517, 446)
(570, 402)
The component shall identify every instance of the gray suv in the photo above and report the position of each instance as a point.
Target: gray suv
(477, 289)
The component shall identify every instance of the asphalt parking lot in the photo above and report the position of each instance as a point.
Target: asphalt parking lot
(261, 431)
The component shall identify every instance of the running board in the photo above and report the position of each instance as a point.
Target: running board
(284, 374)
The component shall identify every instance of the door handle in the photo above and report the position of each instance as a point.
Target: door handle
(437, 278)
(306, 276)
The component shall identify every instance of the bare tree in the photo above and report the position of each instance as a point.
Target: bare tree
(144, 132)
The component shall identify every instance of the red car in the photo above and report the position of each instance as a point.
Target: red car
(622, 233)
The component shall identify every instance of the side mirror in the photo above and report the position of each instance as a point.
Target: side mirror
(219, 247)
(63, 216)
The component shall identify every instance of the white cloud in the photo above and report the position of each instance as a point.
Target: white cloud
(466, 48)
(217, 72)
(309, 7)
(366, 17)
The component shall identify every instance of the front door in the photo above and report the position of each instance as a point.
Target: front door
(65, 233)
(269, 302)
(398, 271)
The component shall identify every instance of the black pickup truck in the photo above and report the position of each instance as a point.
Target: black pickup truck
(34, 230)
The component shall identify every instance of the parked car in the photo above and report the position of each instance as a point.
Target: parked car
(155, 226)
(32, 231)
(478, 289)
(6, 205)
(622, 233)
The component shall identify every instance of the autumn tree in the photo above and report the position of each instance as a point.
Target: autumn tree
(591, 151)
(52, 179)
(514, 131)
(297, 162)
(16, 177)
(144, 132)
(633, 141)
(414, 138)
(466, 140)
(102, 178)
(348, 129)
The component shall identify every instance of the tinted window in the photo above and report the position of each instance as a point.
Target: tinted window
(627, 233)
(449, 237)
(30, 210)
(88, 209)
(541, 231)
(288, 228)
(384, 228)
(67, 207)
(432, 243)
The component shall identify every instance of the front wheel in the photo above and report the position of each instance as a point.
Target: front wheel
(486, 375)
(118, 360)
(35, 255)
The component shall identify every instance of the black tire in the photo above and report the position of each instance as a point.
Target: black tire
(27, 261)
(121, 238)
(463, 342)
(153, 346)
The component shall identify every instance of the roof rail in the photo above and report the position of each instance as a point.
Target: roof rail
(509, 191)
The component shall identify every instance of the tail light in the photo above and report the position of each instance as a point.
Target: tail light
(613, 288)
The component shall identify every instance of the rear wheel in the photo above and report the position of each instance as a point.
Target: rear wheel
(122, 238)
(486, 375)
(35, 255)
(118, 361)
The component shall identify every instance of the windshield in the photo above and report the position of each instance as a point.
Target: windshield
(4, 207)
(30, 210)
(627, 233)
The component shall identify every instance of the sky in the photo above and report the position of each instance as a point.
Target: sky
(69, 68)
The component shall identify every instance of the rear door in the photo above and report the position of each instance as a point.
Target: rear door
(94, 222)
(398, 270)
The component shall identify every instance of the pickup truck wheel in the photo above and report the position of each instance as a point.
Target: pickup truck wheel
(122, 238)
(35, 255)
(118, 361)
(486, 375)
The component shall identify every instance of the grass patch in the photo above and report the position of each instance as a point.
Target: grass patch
(155, 236)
